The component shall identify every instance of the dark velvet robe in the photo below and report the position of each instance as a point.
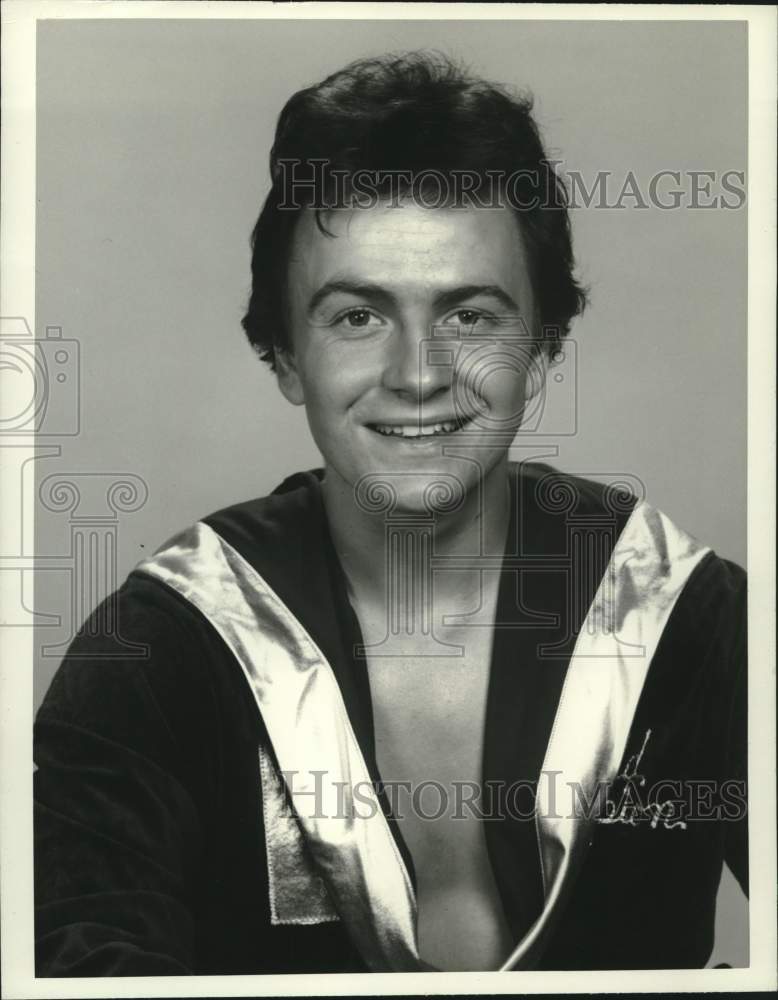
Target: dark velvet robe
(149, 838)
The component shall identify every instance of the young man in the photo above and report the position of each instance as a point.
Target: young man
(424, 708)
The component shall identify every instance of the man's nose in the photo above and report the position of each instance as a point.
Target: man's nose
(415, 366)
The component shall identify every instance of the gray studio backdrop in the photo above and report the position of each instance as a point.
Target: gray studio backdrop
(152, 145)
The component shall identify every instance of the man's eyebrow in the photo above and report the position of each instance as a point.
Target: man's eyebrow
(449, 297)
(454, 295)
(358, 289)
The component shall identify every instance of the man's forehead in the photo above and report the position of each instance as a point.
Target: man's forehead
(406, 240)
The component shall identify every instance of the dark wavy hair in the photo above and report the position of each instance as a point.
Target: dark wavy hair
(414, 114)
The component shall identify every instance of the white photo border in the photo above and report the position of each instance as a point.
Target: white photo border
(16, 645)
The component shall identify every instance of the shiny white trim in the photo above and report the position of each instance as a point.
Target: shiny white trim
(650, 565)
(302, 708)
(296, 892)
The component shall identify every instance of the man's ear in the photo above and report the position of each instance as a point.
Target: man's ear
(288, 378)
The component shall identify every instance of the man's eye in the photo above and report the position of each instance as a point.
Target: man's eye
(358, 319)
(467, 317)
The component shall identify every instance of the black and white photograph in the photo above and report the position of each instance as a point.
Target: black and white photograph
(388, 452)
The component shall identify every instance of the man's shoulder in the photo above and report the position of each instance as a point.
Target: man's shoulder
(273, 532)
(145, 642)
(296, 497)
(280, 515)
(715, 593)
(558, 493)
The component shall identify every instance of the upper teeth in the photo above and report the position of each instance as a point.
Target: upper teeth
(414, 430)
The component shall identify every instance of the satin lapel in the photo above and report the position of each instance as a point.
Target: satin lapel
(285, 537)
(303, 710)
(650, 565)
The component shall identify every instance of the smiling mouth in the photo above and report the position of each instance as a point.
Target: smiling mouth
(420, 431)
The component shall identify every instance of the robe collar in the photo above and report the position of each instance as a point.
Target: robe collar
(262, 573)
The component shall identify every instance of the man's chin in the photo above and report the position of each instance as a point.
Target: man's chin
(441, 485)
(412, 491)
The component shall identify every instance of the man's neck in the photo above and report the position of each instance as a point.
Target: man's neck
(477, 528)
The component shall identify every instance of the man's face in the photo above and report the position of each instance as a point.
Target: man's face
(383, 393)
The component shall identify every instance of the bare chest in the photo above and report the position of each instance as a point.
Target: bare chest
(429, 715)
